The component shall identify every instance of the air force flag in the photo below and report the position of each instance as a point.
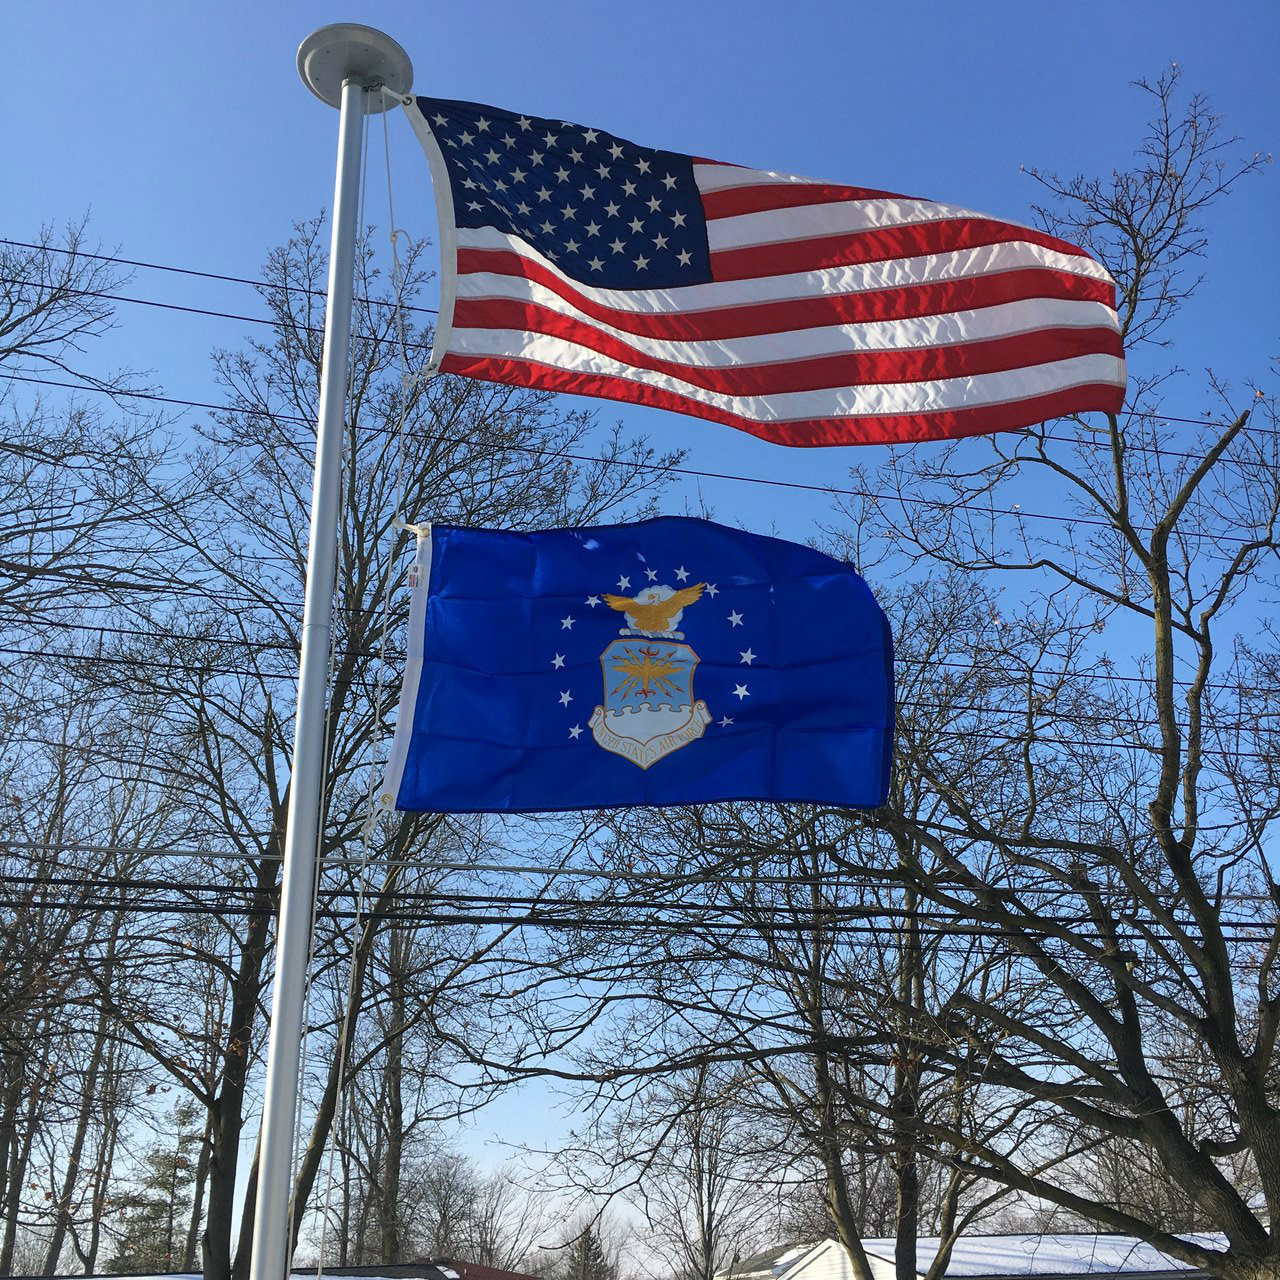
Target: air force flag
(672, 661)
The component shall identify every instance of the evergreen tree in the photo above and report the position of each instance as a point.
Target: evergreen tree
(587, 1259)
(156, 1214)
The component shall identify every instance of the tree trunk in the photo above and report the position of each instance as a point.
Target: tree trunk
(8, 1160)
(102, 1181)
(197, 1199)
(839, 1203)
(838, 1200)
(244, 1243)
(906, 1091)
(226, 1116)
(345, 1219)
(21, 1146)
(394, 1075)
(88, 1106)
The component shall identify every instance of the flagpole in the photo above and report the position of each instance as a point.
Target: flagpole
(339, 64)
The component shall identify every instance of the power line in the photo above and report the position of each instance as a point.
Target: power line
(739, 876)
(543, 912)
(242, 642)
(203, 275)
(1016, 513)
(173, 664)
(426, 346)
(828, 911)
(204, 311)
(159, 633)
(857, 876)
(320, 293)
(550, 922)
(539, 905)
(325, 914)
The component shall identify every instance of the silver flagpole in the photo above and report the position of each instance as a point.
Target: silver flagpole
(339, 64)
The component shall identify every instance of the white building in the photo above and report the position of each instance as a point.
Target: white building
(1026, 1257)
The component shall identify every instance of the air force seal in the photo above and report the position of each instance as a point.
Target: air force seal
(649, 709)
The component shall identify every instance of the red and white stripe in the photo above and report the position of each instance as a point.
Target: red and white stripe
(835, 316)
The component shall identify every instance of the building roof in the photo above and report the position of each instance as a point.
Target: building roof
(421, 1269)
(1044, 1255)
(996, 1257)
(474, 1271)
(771, 1262)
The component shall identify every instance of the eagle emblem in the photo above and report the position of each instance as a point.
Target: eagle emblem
(656, 610)
(648, 709)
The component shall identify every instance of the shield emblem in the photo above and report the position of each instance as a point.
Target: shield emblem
(649, 709)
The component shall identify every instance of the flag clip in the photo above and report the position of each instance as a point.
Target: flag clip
(404, 99)
(399, 523)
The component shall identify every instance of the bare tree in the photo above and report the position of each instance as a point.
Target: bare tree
(55, 297)
(814, 973)
(79, 496)
(701, 1194)
(78, 500)
(223, 667)
(1104, 805)
(75, 800)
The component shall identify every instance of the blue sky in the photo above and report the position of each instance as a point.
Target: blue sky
(185, 132)
(183, 129)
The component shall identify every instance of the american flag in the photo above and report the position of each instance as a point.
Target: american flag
(803, 312)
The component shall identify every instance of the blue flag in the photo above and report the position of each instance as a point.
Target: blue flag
(671, 661)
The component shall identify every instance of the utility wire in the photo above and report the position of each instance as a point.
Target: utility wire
(859, 876)
(197, 311)
(496, 909)
(1020, 740)
(241, 642)
(380, 302)
(830, 910)
(870, 495)
(551, 922)
(539, 904)
(203, 275)
(171, 664)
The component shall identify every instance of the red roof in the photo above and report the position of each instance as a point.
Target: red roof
(475, 1271)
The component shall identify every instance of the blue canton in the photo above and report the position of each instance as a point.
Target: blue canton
(605, 211)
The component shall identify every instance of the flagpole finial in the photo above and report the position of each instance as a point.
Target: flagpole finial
(345, 51)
